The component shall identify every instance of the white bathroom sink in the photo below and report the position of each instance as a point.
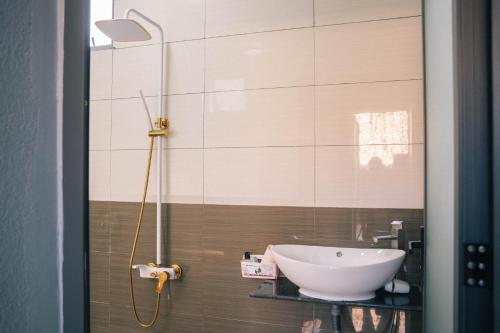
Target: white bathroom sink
(337, 273)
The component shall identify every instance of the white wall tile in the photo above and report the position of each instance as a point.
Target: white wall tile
(345, 11)
(265, 117)
(99, 175)
(182, 178)
(183, 181)
(377, 176)
(137, 68)
(185, 113)
(263, 60)
(101, 65)
(260, 176)
(131, 124)
(185, 67)
(100, 125)
(371, 51)
(128, 169)
(180, 19)
(134, 69)
(241, 112)
(370, 113)
(229, 17)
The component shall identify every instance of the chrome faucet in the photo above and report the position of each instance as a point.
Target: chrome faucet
(396, 226)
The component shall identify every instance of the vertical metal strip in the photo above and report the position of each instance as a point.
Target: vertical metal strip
(473, 68)
(495, 38)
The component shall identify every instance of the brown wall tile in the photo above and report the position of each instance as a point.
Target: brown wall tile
(217, 325)
(124, 217)
(99, 317)
(229, 231)
(122, 320)
(230, 300)
(187, 293)
(99, 276)
(99, 223)
(208, 241)
(183, 232)
(332, 225)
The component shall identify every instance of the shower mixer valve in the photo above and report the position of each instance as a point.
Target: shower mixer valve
(153, 271)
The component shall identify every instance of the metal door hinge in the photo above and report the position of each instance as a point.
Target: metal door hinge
(477, 265)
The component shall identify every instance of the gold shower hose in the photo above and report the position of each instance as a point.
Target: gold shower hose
(163, 276)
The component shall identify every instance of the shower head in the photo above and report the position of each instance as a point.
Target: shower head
(123, 30)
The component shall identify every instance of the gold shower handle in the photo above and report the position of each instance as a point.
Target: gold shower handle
(161, 281)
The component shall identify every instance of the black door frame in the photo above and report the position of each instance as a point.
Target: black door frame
(495, 42)
(75, 289)
(474, 163)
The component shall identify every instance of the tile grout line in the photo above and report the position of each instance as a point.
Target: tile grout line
(111, 120)
(314, 121)
(263, 88)
(411, 144)
(204, 95)
(109, 182)
(369, 21)
(314, 134)
(203, 148)
(249, 205)
(264, 31)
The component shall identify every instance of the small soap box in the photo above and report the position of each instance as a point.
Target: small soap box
(258, 267)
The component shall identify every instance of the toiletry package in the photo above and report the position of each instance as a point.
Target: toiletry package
(258, 266)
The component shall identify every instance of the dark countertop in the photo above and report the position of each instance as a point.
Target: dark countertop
(283, 289)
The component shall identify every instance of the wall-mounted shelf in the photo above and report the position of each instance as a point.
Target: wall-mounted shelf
(283, 289)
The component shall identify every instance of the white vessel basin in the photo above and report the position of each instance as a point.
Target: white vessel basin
(336, 273)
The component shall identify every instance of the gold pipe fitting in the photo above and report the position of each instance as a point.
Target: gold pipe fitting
(161, 129)
(177, 271)
(161, 123)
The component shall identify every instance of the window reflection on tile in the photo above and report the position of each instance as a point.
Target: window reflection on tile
(313, 326)
(389, 127)
(382, 128)
(385, 154)
(370, 113)
(368, 320)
